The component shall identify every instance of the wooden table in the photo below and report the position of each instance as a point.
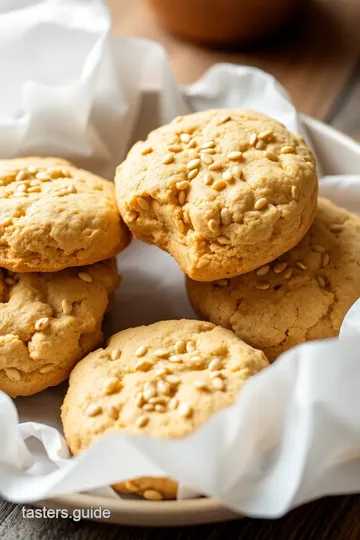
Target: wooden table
(318, 62)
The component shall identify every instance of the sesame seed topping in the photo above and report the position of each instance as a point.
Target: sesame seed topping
(176, 359)
(131, 215)
(161, 372)
(139, 400)
(149, 390)
(162, 353)
(22, 187)
(159, 400)
(222, 283)
(260, 145)
(43, 176)
(234, 156)
(180, 346)
(147, 150)
(261, 203)
(287, 150)
(141, 351)
(174, 148)
(184, 184)
(225, 216)
(46, 368)
(262, 285)
(193, 164)
(152, 495)
(113, 412)
(192, 174)
(227, 176)
(215, 166)
(326, 259)
(192, 143)
(34, 189)
(173, 404)
(42, 323)
(237, 171)
(321, 281)
(173, 380)
(210, 151)
(84, 276)
(222, 239)
(318, 248)
(202, 386)
(94, 410)
(269, 154)
(336, 227)
(224, 119)
(181, 226)
(208, 144)
(111, 385)
(163, 387)
(182, 197)
(168, 158)
(263, 270)
(295, 192)
(66, 306)
(143, 365)
(190, 347)
(185, 138)
(301, 265)
(212, 225)
(280, 267)
(21, 175)
(160, 408)
(142, 421)
(19, 194)
(13, 374)
(265, 135)
(185, 410)
(207, 159)
(142, 203)
(218, 383)
(148, 407)
(208, 178)
(115, 354)
(288, 273)
(253, 139)
(215, 364)
(219, 185)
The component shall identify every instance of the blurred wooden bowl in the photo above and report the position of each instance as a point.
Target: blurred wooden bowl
(222, 21)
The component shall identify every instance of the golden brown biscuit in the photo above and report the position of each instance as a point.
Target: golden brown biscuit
(48, 322)
(55, 216)
(303, 295)
(163, 380)
(224, 191)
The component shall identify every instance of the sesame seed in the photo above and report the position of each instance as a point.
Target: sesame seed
(225, 216)
(261, 203)
(207, 159)
(210, 151)
(142, 203)
(235, 156)
(159, 400)
(208, 178)
(190, 347)
(71, 188)
(200, 385)
(181, 226)
(185, 138)
(66, 306)
(94, 410)
(192, 143)
(19, 194)
(173, 380)
(174, 358)
(10, 281)
(192, 174)
(113, 412)
(224, 119)
(288, 273)
(131, 215)
(43, 176)
(263, 270)
(148, 407)
(174, 148)
(143, 365)
(208, 144)
(32, 169)
(321, 281)
(142, 421)
(193, 164)
(218, 383)
(237, 171)
(222, 239)
(216, 374)
(180, 346)
(301, 265)
(336, 227)
(318, 248)
(160, 408)
(260, 145)
(269, 154)
(42, 323)
(35, 182)
(84, 276)
(173, 404)
(253, 139)
(182, 185)
(13, 374)
(280, 267)
(163, 387)
(295, 192)
(35, 189)
(139, 400)
(161, 371)
(326, 259)
(212, 225)
(262, 285)
(149, 390)
(182, 197)
(21, 175)
(152, 495)
(111, 385)
(227, 176)
(47, 368)
(219, 185)
(222, 283)
(214, 364)
(141, 351)
(267, 134)
(168, 158)
(215, 166)
(185, 410)
(115, 354)
(287, 150)
(22, 187)
(162, 353)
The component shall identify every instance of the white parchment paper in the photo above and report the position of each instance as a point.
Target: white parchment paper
(294, 433)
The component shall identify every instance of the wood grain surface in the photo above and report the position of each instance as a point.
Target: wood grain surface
(317, 60)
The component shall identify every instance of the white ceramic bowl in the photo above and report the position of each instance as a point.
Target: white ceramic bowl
(337, 154)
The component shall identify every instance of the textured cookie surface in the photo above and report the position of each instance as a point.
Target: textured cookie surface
(163, 380)
(48, 322)
(223, 191)
(303, 295)
(55, 216)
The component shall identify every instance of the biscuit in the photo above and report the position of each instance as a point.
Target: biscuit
(48, 322)
(55, 216)
(163, 380)
(303, 295)
(223, 191)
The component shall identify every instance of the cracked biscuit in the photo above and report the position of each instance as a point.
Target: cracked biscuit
(48, 322)
(55, 216)
(303, 295)
(163, 380)
(223, 191)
